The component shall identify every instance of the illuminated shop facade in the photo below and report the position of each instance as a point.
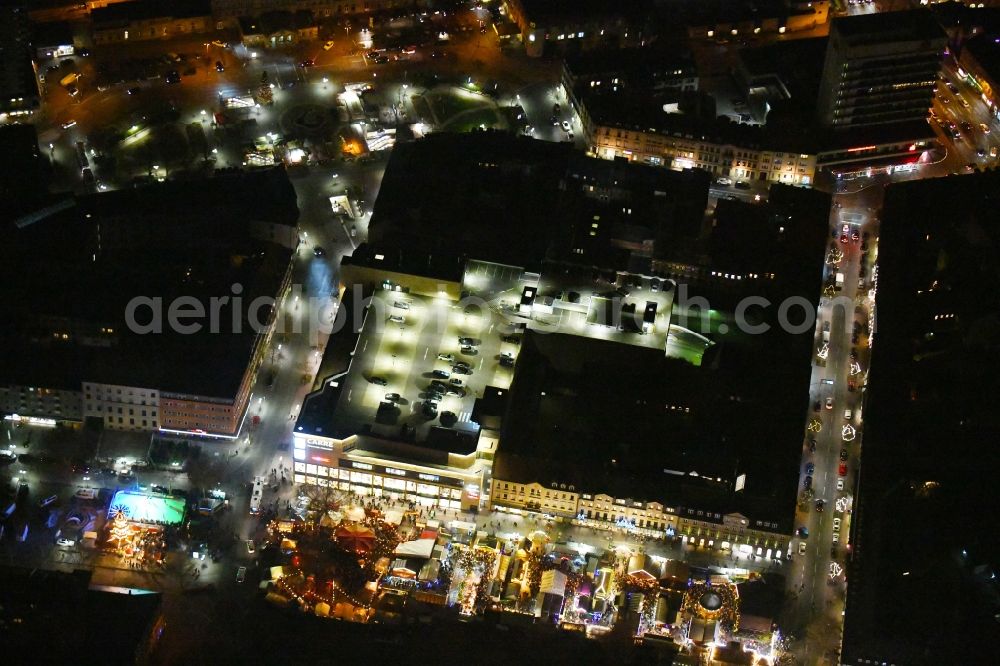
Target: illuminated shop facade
(351, 465)
(692, 526)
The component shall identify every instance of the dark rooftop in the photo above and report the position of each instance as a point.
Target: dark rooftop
(23, 174)
(532, 201)
(270, 22)
(925, 541)
(881, 27)
(628, 421)
(437, 265)
(797, 62)
(613, 417)
(123, 12)
(52, 33)
(549, 12)
(55, 617)
(641, 63)
(643, 111)
(165, 241)
(440, 194)
(318, 408)
(706, 12)
(986, 50)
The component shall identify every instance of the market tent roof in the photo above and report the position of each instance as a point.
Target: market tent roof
(430, 570)
(416, 548)
(405, 569)
(356, 537)
(393, 517)
(280, 571)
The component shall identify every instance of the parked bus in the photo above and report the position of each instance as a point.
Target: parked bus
(257, 496)
(81, 155)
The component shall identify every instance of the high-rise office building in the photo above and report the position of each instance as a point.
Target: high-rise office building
(880, 69)
(18, 86)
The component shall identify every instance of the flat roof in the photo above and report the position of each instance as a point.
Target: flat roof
(705, 12)
(986, 50)
(643, 111)
(630, 422)
(83, 265)
(543, 12)
(798, 62)
(488, 196)
(927, 479)
(37, 604)
(122, 12)
(403, 354)
(431, 184)
(883, 27)
(640, 62)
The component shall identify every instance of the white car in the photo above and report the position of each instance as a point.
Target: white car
(397, 319)
(840, 484)
(802, 547)
(836, 537)
(836, 524)
(446, 357)
(565, 126)
(723, 181)
(63, 541)
(829, 403)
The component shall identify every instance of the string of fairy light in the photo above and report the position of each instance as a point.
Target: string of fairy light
(372, 527)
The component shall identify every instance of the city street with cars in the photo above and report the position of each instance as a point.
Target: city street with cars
(429, 360)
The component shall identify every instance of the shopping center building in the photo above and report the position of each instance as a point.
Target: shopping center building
(591, 398)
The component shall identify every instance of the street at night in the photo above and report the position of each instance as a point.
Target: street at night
(507, 331)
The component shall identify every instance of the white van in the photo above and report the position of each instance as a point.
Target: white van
(848, 414)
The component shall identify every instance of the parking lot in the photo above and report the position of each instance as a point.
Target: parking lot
(582, 302)
(409, 342)
(423, 361)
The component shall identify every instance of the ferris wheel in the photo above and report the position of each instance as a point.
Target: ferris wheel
(123, 509)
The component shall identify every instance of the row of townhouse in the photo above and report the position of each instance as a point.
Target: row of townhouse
(699, 527)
